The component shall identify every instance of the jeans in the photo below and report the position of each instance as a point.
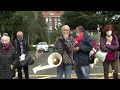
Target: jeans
(82, 72)
(66, 69)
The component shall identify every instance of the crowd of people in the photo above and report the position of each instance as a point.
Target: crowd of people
(75, 51)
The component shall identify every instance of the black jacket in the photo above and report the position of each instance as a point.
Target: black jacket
(16, 44)
(81, 57)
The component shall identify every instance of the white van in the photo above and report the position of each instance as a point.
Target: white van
(42, 46)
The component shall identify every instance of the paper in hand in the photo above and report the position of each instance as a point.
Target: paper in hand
(22, 57)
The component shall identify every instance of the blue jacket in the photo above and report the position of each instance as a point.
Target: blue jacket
(81, 57)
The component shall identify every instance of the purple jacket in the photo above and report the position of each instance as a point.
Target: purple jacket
(119, 42)
(111, 49)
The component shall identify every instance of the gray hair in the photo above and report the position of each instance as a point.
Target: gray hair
(5, 37)
(66, 27)
(80, 28)
(19, 33)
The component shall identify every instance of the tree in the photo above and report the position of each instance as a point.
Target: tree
(13, 21)
(54, 35)
(90, 19)
(38, 29)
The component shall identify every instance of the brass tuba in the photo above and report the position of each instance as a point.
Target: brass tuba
(54, 60)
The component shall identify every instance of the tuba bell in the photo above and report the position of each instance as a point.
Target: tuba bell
(54, 60)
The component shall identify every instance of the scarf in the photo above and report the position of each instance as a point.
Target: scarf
(78, 39)
(5, 49)
(109, 38)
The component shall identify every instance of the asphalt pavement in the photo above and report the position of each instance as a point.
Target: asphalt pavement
(95, 73)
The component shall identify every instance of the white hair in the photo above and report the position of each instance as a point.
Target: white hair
(66, 27)
(5, 37)
(19, 33)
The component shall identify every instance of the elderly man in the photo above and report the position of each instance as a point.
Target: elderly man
(22, 49)
(64, 45)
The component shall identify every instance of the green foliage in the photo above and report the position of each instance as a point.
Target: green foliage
(90, 19)
(54, 35)
(34, 30)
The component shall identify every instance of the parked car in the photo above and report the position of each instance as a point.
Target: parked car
(42, 46)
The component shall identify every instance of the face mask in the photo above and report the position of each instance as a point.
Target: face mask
(109, 33)
(77, 34)
(4, 44)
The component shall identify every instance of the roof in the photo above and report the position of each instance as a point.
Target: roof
(52, 13)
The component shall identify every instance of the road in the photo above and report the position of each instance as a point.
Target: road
(95, 73)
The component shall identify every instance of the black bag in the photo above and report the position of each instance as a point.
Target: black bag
(92, 59)
(28, 60)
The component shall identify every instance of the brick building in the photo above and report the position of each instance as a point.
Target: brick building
(52, 18)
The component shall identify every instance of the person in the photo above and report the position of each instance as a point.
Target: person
(22, 49)
(83, 46)
(119, 45)
(8, 58)
(64, 45)
(109, 43)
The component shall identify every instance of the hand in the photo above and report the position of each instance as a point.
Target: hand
(76, 42)
(107, 46)
(11, 67)
(108, 43)
(91, 53)
(76, 49)
(66, 35)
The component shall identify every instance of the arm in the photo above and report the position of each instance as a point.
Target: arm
(15, 58)
(70, 44)
(115, 47)
(27, 46)
(58, 47)
(86, 44)
(103, 45)
(85, 47)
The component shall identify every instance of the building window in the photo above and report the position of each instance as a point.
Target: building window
(58, 19)
(59, 24)
(50, 23)
(50, 27)
(46, 19)
(50, 19)
(55, 19)
(56, 24)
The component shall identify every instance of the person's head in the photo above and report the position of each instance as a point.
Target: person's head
(5, 40)
(79, 30)
(5, 34)
(20, 35)
(65, 29)
(107, 30)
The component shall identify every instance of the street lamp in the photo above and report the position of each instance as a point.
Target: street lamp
(98, 29)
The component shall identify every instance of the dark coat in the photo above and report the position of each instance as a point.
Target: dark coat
(110, 48)
(18, 49)
(16, 44)
(6, 60)
(81, 57)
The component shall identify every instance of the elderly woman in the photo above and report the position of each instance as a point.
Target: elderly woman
(109, 43)
(64, 45)
(7, 58)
